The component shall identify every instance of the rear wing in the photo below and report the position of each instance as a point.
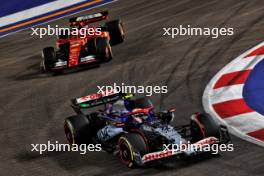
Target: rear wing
(98, 99)
(89, 18)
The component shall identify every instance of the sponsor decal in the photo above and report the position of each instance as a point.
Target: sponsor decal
(89, 17)
(87, 58)
(158, 155)
(60, 63)
(95, 96)
(205, 142)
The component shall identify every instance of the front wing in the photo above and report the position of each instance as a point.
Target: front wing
(83, 61)
(174, 152)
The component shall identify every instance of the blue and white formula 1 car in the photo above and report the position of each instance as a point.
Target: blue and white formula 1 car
(131, 127)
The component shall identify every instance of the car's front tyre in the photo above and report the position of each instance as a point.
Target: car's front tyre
(48, 59)
(116, 31)
(131, 145)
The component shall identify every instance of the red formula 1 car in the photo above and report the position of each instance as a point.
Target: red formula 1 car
(82, 44)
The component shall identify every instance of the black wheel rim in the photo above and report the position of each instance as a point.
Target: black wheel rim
(124, 152)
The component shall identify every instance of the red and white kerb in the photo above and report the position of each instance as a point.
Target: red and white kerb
(223, 98)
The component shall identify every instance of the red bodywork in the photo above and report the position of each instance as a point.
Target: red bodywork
(77, 42)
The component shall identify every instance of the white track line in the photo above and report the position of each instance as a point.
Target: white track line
(36, 11)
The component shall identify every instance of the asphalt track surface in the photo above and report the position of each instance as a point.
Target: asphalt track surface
(33, 106)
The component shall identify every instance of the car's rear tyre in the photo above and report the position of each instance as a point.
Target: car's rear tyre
(103, 49)
(130, 146)
(76, 129)
(116, 31)
(48, 58)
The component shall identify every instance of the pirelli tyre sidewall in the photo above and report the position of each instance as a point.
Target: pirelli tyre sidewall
(116, 31)
(131, 147)
(77, 131)
(48, 58)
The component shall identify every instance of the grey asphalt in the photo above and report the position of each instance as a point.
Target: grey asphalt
(33, 106)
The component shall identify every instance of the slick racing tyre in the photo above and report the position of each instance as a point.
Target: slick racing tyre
(130, 146)
(116, 31)
(76, 129)
(48, 59)
(203, 126)
(103, 49)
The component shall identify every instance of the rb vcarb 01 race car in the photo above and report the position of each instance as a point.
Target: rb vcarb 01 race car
(130, 127)
(83, 48)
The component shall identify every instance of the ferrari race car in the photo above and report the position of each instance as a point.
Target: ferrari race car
(131, 128)
(87, 45)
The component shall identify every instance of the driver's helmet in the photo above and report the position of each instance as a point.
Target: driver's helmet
(139, 116)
